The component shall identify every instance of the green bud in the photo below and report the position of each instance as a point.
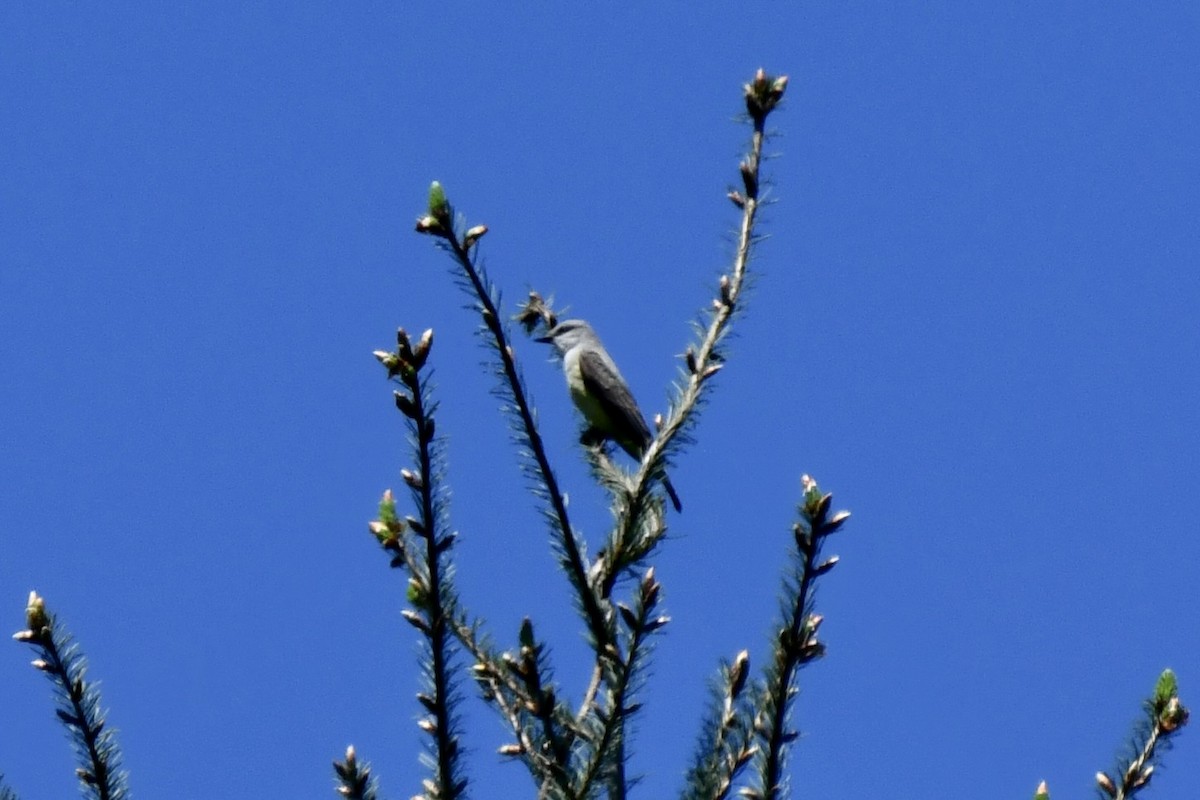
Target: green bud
(416, 593)
(1166, 688)
(439, 207)
(387, 509)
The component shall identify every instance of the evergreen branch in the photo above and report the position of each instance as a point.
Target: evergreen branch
(5, 792)
(796, 643)
(639, 512)
(424, 551)
(553, 739)
(606, 762)
(499, 688)
(520, 688)
(355, 781)
(633, 539)
(1165, 718)
(727, 743)
(439, 223)
(78, 699)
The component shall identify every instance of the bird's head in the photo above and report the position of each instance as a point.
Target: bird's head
(568, 334)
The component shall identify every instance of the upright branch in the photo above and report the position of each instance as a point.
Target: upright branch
(640, 520)
(355, 781)
(420, 543)
(621, 674)
(633, 538)
(440, 223)
(59, 658)
(519, 686)
(727, 744)
(543, 716)
(751, 725)
(1164, 719)
(796, 643)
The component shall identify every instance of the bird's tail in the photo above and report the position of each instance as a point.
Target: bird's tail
(671, 493)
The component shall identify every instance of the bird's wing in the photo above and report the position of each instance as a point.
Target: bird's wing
(605, 385)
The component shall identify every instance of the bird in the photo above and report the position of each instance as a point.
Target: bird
(600, 393)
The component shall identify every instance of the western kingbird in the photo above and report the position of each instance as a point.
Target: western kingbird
(600, 393)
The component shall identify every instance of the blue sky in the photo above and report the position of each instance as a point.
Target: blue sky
(974, 322)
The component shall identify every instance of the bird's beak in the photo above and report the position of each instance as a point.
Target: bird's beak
(545, 339)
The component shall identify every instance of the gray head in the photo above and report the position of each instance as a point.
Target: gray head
(568, 333)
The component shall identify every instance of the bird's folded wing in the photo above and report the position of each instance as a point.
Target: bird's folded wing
(606, 386)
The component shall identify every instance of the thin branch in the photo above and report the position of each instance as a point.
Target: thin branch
(796, 644)
(423, 550)
(1165, 717)
(439, 223)
(589, 697)
(641, 621)
(728, 744)
(355, 781)
(632, 538)
(514, 686)
(79, 707)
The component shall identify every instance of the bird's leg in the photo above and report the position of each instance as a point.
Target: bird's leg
(593, 437)
(599, 451)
